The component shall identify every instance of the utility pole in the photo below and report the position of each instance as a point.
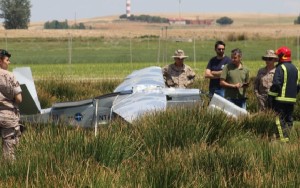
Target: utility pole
(166, 44)
(179, 9)
(75, 21)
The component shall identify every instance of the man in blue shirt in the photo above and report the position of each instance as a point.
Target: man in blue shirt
(214, 69)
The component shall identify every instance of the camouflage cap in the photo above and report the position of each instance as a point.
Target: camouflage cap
(270, 54)
(179, 54)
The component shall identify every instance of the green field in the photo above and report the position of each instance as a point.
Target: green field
(107, 71)
(126, 50)
(99, 58)
(178, 148)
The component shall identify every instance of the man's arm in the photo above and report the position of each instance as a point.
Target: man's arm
(212, 74)
(223, 83)
(191, 77)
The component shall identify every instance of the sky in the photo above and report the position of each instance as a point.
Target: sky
(48, 10)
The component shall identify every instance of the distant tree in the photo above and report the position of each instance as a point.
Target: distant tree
(16, 13)
(224, 21)
(123, 16)
(297, 21)
(145, 18)
(63, 25)
(79, 26)
(56, 25)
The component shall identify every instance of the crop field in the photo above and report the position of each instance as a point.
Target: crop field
(99, 58)
(190, 147)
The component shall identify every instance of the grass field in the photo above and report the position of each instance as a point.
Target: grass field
(102, 58)
(144, 49)
(189, 147)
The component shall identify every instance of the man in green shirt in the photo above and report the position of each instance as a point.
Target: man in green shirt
(235, 79)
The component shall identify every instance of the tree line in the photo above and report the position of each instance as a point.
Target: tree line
(145, 18)
(55, 24)
(17, 13)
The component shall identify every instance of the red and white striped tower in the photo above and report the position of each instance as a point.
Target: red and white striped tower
(128, 8)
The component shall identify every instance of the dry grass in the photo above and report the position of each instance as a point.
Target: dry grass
(252, 25)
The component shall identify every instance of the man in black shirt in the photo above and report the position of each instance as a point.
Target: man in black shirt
(215, 67)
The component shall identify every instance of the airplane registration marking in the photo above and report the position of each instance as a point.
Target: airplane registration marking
(103, 117)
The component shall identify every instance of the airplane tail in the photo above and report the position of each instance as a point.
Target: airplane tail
(30, 104)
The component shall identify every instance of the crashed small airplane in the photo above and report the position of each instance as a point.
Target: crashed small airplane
(141, 92)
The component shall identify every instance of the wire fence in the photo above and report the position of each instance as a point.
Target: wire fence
(152, 49)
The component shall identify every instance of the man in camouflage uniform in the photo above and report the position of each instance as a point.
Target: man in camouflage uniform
(264, 79)
(10, 97)
(178, 74)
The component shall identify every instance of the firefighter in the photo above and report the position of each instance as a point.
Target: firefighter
(283, 92)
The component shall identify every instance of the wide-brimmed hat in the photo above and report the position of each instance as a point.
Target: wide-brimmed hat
(270, 54)
(179, 54)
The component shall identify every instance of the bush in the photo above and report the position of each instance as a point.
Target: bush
(62, 25)
(224, 21)
(78, 26)
(297, 21)
(55, 24)
(145, 18)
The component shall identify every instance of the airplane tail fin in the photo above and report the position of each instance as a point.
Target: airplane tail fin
(30, 104)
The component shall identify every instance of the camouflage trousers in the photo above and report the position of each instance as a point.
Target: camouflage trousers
(10, 139)
(10, 132)
(262, 102)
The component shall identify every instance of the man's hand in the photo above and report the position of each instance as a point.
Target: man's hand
(245, 84)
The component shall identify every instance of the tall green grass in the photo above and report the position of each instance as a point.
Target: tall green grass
(181, 147)
(189, 147)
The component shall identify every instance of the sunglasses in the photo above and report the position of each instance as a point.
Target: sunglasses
(268, 58)
(220, 49)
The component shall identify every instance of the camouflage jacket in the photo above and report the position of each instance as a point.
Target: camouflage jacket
(263, 81)
(9, 88)
(179, 77)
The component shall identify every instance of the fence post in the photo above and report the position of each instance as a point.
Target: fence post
(70, 47)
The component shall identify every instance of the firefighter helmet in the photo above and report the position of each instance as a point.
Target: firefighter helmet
(284, 54)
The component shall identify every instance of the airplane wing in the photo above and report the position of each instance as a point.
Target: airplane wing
(144, 78)
(132, 106)
(30, 104)
(149, 93)
(146, 94)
